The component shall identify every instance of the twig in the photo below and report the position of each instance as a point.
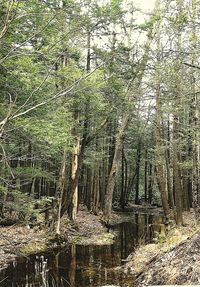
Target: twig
(3, 279)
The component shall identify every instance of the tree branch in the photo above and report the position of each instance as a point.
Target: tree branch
(191, 65)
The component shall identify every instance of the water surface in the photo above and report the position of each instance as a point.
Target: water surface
(83, 266)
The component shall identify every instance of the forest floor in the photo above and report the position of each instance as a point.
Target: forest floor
(173, 260)
(14, 238)
(20, 240)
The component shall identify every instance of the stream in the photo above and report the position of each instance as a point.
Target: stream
(84, 266)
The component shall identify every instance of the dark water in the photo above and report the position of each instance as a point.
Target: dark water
(81, 266)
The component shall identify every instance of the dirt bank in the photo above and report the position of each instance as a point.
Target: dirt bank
(88, 230)
(172, 260)
(14, 239)
(179, 266)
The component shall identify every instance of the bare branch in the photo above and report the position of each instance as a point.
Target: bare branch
(191, 65)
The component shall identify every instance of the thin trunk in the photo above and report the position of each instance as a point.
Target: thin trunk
(122, 194)
(96, 195)
(61, 187)
(150, 183)
(176, 118)
(169, 180)
(74, 202)
(176, 176)
(137, 171)
(146, 176)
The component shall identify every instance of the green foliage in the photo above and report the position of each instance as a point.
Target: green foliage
(24, 205)
(149, 24)
(3, 190)
(21, 203)
(32, 172)
(52, 130)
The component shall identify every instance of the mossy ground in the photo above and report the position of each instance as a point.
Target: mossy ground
(34, 247)
(101, 239)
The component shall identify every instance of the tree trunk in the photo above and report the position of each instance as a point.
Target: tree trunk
(160, 147)
(74, 202)
(176, 176)
(61, 187)
(137, 172)
(114, 169)
(169, 177)
(146, 176)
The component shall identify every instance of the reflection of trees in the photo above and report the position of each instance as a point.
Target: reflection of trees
(54, 273)
(123, 240)
(150, 228)
(136, 229)
(72, 267)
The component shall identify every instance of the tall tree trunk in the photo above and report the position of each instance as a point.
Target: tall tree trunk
(123, 180)
(60, 191)
(74, 202)
(136, 82)
(177, 176)
(176, 103)
(114, 169)
(169, 177)
(137, 172)
(160, 147)
(146, 176)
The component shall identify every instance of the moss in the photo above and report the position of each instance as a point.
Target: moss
(34, 247)
(102, 239)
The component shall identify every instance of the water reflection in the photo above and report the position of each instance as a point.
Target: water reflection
(82, 265)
